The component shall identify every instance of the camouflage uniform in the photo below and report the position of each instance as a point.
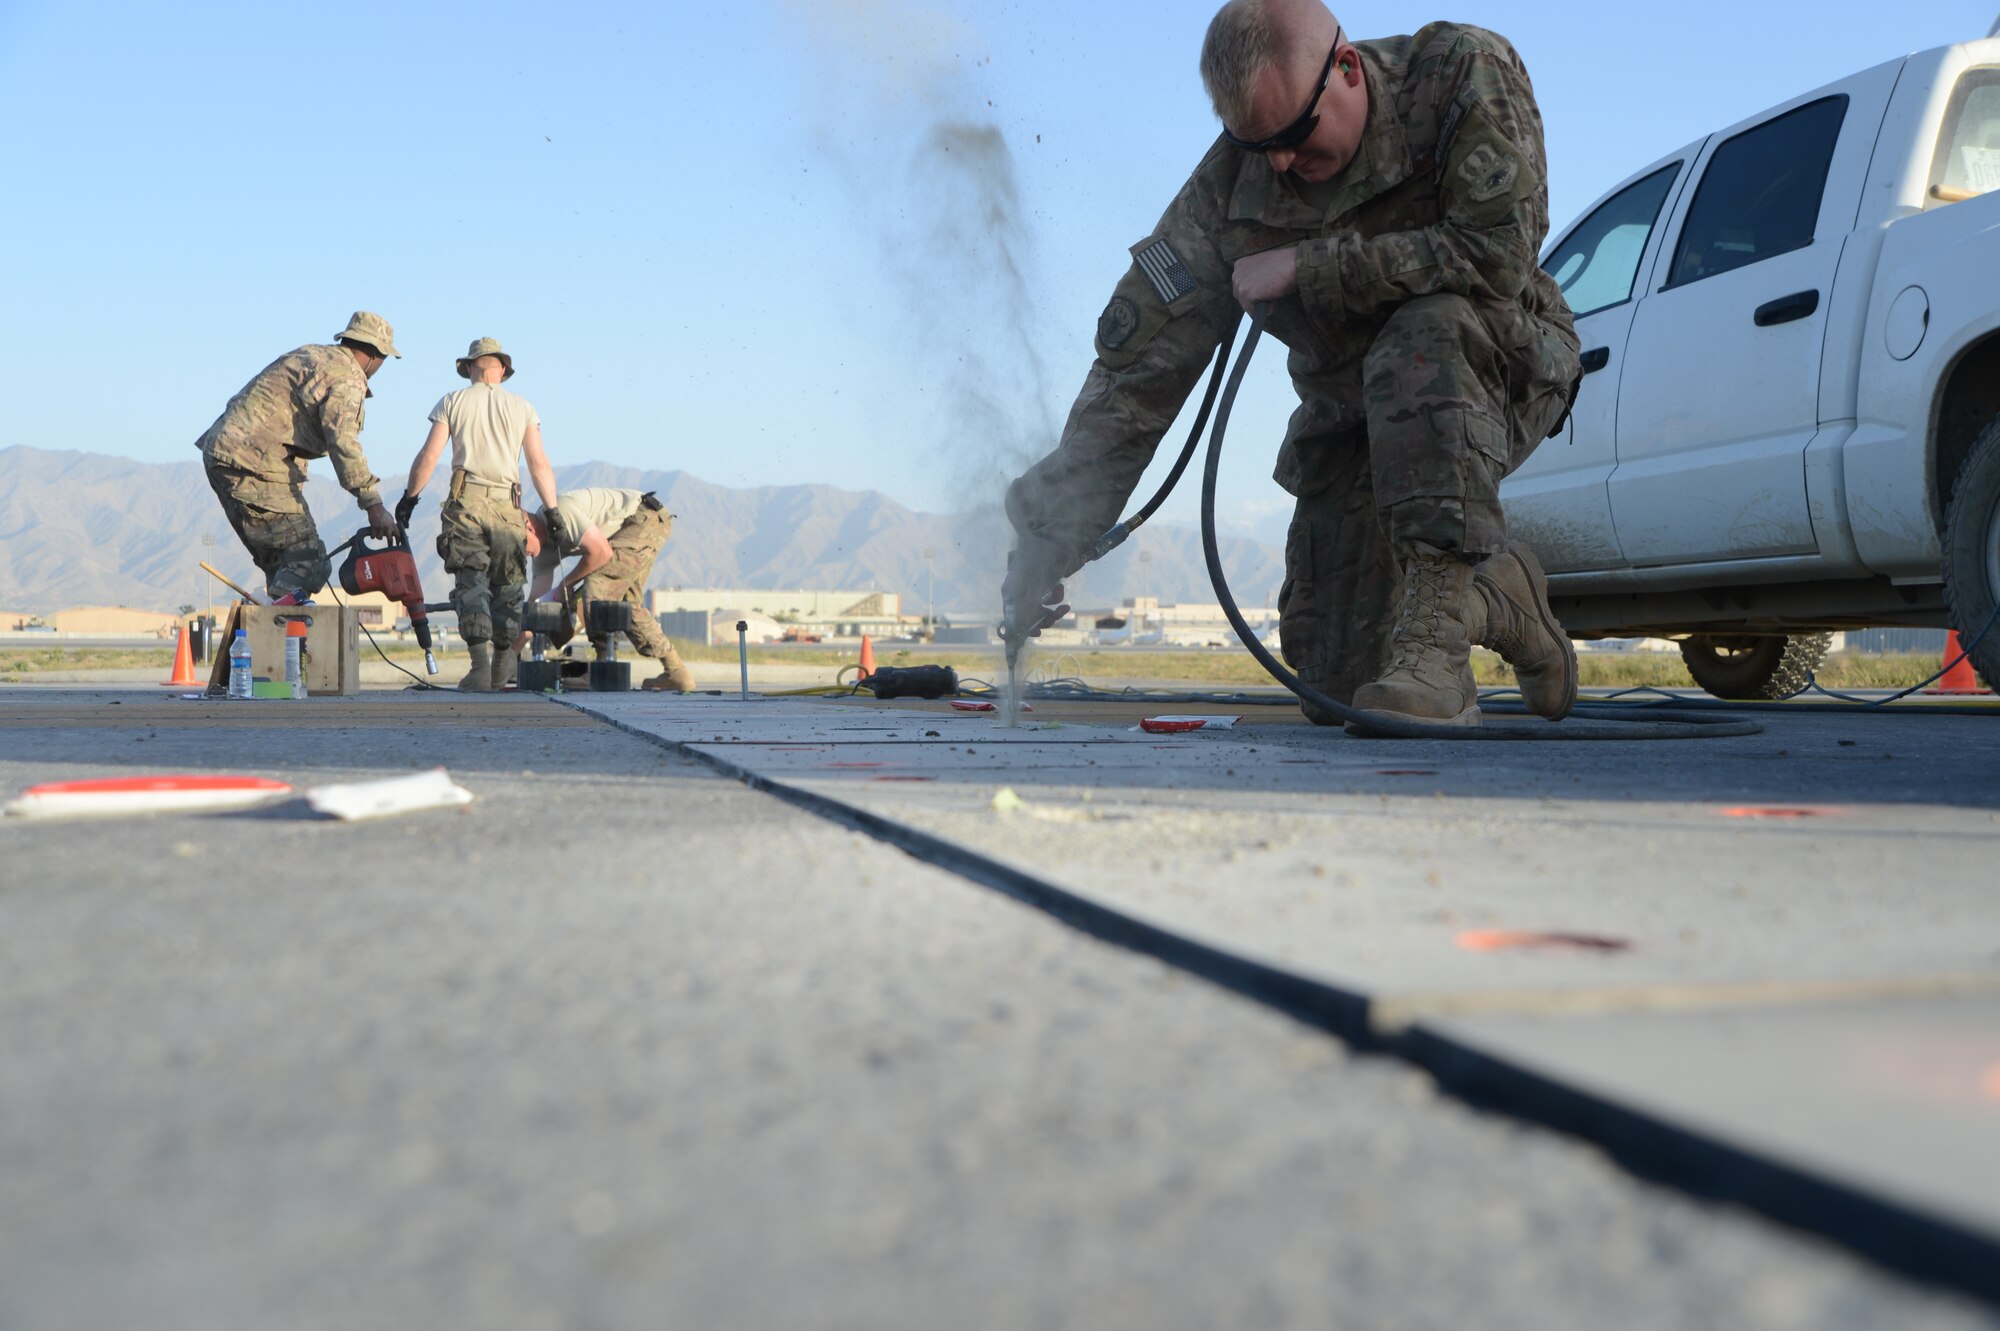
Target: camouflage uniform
(304, 405)
(1429, 351)
(635, 546)
(484, 544)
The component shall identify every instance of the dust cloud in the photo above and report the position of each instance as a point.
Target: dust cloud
(936, 189)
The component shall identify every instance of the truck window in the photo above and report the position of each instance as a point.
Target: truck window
(1968, 152)
(1598, 261)
(1760, 195)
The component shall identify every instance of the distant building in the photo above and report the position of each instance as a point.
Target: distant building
(1144, 620)
(843, 614)
(112, 621)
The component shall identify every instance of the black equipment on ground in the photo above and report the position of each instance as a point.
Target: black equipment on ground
(543, 620)
(607, 622)
(924, 681)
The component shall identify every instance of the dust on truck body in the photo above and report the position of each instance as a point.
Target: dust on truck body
(1789, 421)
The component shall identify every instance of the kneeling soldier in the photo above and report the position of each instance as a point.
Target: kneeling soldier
(608, 568)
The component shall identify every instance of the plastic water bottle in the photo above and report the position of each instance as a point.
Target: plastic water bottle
(239, 665)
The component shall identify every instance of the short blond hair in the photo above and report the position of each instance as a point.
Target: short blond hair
(1243, 38)
(1246, 37)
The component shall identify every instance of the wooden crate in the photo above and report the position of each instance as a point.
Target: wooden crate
(332, 655)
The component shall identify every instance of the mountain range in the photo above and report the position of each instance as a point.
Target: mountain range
(82, 528)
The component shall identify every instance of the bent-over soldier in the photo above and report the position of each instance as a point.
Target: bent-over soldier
(484, 541)
(1388, 199)
(612, 567)
(306, 404)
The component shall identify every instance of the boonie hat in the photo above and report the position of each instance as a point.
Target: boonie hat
(485, 346)
(372, 329)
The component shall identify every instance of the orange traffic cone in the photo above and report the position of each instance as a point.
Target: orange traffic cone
(1959, 677)
(867, 658)
(183, 666)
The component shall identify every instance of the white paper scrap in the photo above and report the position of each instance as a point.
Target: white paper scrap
(397, 794)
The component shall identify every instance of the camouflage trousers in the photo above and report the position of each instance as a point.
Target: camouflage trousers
(635, 546)
(1443, 431)
(484, 543)
(270, 517)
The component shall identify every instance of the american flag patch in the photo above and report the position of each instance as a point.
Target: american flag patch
(1164, 269)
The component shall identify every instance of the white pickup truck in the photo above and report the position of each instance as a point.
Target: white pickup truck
(1789, 421)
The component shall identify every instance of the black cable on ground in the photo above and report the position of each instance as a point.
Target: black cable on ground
(1375, 724)
(422, 683)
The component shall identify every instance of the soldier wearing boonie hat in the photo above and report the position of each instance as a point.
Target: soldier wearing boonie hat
(484, 539)
(304, 405)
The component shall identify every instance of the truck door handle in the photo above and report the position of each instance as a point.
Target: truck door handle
(1594, 359)
(1785, 309)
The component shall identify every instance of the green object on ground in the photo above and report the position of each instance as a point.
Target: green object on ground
(270, 688)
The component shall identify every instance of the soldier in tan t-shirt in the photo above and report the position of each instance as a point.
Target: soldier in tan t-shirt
(615, 536)
(484, 540)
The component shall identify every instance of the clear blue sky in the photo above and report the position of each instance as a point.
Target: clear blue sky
(758, 242)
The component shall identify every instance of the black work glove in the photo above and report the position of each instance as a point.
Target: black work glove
(1031, 598)
(404, 507)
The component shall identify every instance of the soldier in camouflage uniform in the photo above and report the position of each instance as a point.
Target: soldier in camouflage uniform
(1393, 227)
(304, 405)
(484, 538)
(608, 568)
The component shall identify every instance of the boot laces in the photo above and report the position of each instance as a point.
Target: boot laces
(1425, 585)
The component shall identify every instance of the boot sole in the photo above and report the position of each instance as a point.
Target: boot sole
(1467, 719)
(1540, 582)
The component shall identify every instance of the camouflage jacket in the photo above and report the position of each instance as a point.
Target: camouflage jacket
(306, 404)
(1447, 193)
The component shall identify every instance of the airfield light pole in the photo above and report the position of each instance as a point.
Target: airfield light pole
(930, 599)
(1145, 559)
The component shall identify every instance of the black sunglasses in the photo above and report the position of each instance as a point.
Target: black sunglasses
(1292, 135)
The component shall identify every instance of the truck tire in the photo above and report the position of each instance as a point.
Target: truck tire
(1972, 554)
(1751, 668)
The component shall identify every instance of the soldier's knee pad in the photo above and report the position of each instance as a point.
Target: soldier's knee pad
(302, 569)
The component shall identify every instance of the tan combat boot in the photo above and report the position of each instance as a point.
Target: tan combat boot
(1509, 612)
(679, 680)
(505, 665)
(1430, 655)
(479, 679)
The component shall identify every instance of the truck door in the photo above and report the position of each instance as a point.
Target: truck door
(1720, 394)
(1558, 500)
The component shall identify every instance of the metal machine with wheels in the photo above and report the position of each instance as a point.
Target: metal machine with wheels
(608, 622)
(543, 620)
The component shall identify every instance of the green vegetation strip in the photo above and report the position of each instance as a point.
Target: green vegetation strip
(1841, 670)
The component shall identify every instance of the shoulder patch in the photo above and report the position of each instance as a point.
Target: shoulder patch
(1117, 324)
(1164, 269)
(1488, 174)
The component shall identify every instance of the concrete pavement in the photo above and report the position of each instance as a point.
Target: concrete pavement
(628, 1043)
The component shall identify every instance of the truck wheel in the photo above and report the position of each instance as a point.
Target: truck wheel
(1972, 554)
(1753, 668)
